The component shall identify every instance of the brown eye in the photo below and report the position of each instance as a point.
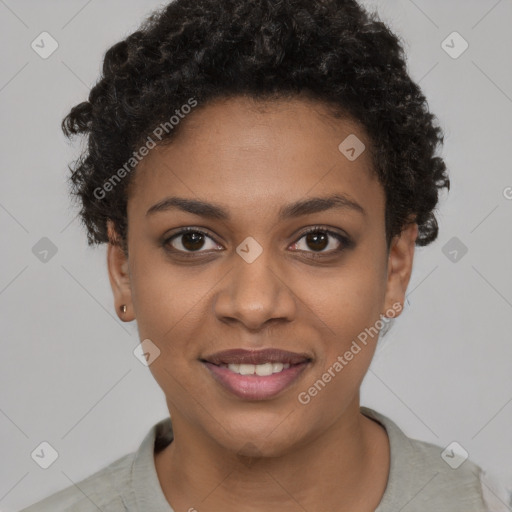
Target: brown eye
(192, 241)
(319, 241)
(189, 240)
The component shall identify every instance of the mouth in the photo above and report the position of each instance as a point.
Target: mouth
(256, 375)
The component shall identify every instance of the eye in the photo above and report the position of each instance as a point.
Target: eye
(318, 242)
(322, 240)
(188, 240)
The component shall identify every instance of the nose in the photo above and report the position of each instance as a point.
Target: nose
(255, 294)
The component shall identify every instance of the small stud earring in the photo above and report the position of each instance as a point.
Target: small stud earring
(123, 308)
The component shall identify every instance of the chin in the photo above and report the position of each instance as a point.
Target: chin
(265, 441)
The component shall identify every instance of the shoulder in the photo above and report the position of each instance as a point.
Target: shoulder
(126, 484)
(425, 477)
(497, 494)
(100, 491)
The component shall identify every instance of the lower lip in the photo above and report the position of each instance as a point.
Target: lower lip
(255, 387)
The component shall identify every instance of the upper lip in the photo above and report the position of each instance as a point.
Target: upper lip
(269, 355)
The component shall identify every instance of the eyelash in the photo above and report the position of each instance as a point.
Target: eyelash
(346, 243)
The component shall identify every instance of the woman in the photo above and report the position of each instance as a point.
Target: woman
(262, 172)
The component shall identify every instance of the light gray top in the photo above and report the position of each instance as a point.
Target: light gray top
(419, 480)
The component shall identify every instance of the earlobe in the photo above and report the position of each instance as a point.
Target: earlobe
(400, 261)
(119, 276)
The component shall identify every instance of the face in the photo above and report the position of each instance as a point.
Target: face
(248, 275)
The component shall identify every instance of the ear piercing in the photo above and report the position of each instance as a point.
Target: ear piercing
(123, 308)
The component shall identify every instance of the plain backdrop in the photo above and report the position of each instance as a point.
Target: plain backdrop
(68, 375)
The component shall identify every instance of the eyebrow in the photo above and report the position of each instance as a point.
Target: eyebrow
(292, 210)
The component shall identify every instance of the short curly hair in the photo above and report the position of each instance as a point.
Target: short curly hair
(333, 51)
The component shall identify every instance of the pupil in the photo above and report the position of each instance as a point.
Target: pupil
(313, 237)
(195, 239)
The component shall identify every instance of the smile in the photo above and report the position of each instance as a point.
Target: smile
(257, 369)
(256, 374)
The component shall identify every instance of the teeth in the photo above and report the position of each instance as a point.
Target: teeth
(259, 369)
(277, 367)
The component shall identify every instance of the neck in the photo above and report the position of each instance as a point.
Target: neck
(344, 468)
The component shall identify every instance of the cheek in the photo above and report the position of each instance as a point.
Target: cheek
(347, 300)
(167, 298)
(350, 313)
(348, 308)
(169, 306)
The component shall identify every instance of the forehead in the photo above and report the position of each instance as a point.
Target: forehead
(244, 121)
(246, 153)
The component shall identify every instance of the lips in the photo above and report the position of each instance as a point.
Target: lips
(245, 373)
(242, 356)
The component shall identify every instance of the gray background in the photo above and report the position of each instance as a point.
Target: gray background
(67, 372)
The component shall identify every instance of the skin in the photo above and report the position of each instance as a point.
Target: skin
(253, 158)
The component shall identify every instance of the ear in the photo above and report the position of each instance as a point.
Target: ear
(401, 256)
(119, 276)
